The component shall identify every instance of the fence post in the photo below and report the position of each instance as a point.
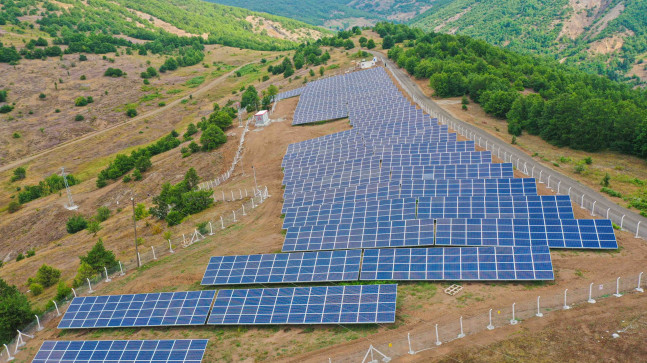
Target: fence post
(593, 208)
(139, 258)
(513, 321)
(244, 209)
(89, 285)
(437, 340)
(74, 292)
(565, 307)
(9, 357)
(153, 249)
(222, 223)
(591, 300)
(490, 326)
(461, 335)
(241, 193)
(558, 184)
(582, 205)
(253, 206)
(608, 209)
(232, 195)
(637, 228)
(107, 277)
(210, 229)
(58, 313)
(639, 289)
(540, 172)
(569, 191)
(122, 269)
(617, 294)
(622, 220)
(409, 340)
(234, 212)
(548, 182)
(223, 195)
(40, 327)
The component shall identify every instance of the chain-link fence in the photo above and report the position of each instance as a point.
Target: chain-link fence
(429, 335)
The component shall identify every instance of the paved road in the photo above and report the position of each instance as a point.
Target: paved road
(151, 113)
(582, 195)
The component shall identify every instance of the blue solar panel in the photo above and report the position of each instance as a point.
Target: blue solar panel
(360, 235)
(467, 263)
(138, 310)
(528, 207)
(353, 304)
(122, 351)
(556, 233)
(283, 268)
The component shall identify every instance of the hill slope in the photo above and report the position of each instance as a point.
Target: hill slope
(603, 36)
(144, 20)
(337, 14)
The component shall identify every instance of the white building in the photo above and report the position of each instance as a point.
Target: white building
(262, 118)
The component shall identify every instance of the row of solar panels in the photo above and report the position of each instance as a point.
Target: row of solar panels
(353, 304)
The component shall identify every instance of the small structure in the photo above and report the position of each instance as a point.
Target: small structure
(364, 64)
(262, 118)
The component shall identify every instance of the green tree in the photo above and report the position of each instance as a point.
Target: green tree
(85, 271)
(606, 180)
(47, 275)
(36, 288)
(143, 163)
(93, 227)
(191, 179)
(99, 257)
(222, 119)
(212, 137)
(250, 99)
(15, 311)
(19, 173)
(76, 223)
(62, 291)
(370, 44)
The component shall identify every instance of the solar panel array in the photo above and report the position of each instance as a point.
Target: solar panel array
(122, 351)
(352, 304)
(398, 181)
(138, 310)
(289, 94)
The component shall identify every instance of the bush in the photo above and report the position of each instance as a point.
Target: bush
(62, 291)
(16, 135)
(3, 96)
(15, 311)
(202, 227)
(19, 173)
(128, 178)
(611, 192)
(79, 118)
(212, 137)
(103, 213)
(36, 288)
(579, 168)
(113, 72)
(80, 101)
(76, 223)
(6, 109)
(141, 212)
(94, 227)
(82, 58)
(30, 253)
(20, 257)
(83, 77)
(588, 160)
(131, 112)
(84, 272)
(42, 96)
(173, 218)
(47, 275)
(99, 257)
(606, 180)
(14, 206)
(137, 175)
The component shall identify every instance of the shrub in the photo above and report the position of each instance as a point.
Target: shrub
(83, 78)
(127, 178)
(80, 101)
(141, 212)
(173, 218)
(579, 168)
(194, 147)
(94, 227)
(30, 253)
(15, 311)
(131, 112)
(99, 257)
(113, 72)
(42, 96)
(76, 223)
(605, 181)
(84, 272)
(20, 257)
(82, 58)
(611, 192)
(62, 291)
(103, 213)
(14, 206)
(16, 135)
(202, 227)
(47, 275)
(588, 160)
(137, 175)
(79, 118)
(212, 137)
(19, 173)
(36, 288)
(3, 95)
(6, 109)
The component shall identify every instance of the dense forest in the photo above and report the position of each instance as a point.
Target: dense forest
(564, 105)
(552, 28)
(319, 12)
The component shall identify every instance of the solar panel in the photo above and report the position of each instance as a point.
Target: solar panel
(118, 351)
(413, 188)
(467, 263)
(414, 232)
(283, 268)
(488, 206)
(353, 304)
(138, 310)
(556, 233)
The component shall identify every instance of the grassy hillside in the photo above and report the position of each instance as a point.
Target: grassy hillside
(337, 14)
(148, 20)
(603, 36)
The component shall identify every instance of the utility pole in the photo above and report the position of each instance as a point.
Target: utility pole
(135, 227)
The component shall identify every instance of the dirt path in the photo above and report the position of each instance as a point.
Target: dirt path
(141, 117)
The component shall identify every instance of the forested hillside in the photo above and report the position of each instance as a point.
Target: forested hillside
(608, 37)
(337, 14)
(99, 25)
(563, 105)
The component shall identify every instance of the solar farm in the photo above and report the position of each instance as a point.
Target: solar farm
(396, 198)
